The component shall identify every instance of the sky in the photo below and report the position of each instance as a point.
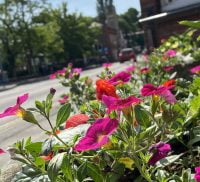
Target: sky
(88, 7)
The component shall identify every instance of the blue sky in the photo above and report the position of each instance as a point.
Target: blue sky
(88, 7)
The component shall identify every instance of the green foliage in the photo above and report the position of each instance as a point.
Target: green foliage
(192, 24)
(35, 34)
(63, 114)
(55, 165)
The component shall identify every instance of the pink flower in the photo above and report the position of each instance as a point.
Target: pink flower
(160, 151)
(97, 135)
(168, 68)
(149, 89)
(106, 65)
(113, 103)
(77, 70)
(2, 151)
(195, 70)
(16, 109)
(130, 68)
(59, 73)
(144, 70)
(170, 53)
(164, 92)
(197, 174)
(63, 100)
(121, 77)
(168, 97)
(52, 76)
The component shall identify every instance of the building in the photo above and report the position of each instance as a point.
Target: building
(160, 18)
(114, 34)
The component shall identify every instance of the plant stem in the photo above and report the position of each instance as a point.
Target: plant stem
(54, 133)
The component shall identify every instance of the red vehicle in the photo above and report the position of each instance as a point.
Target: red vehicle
(126, 55)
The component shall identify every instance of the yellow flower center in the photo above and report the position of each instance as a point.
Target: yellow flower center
(20, 112)
(100, 137)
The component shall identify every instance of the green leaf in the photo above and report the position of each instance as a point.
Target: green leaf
(28, 141)
(29, 173)
(168, 160)
(63, 114)
(40, 163)
(194, 140)
(94, 172)
(192, 24)
(34, 148)
(198, 38)
(142, 116)
(67, 168)
(186, 175)
(29, 117)
(20, 159)
(82, 172)
(195, 106)
(48, 103)
(55, 166)
(40, 106)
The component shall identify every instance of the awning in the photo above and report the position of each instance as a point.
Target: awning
(164, 14)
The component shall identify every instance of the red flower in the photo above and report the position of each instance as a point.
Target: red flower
(168, 68)
(145, 70)
(169, 84)
(47, 157)
(76, 120)
(103, 87)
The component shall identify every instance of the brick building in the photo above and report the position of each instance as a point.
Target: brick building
(160, 18)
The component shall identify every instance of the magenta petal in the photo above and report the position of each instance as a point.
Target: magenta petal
(148, 89)
(52, 76)
(115, 103)
(109, 101)
(197, 170)
(197, 174)
(168, 96)
(2, 151)
(121, 77)
(195, 69)
(63, 100)
(9, 111)
(77, 70)
(97, 135)
(160, 151)
(90, 144)
(22, 99)
(106, 65)
(170, 53)
(130, 68)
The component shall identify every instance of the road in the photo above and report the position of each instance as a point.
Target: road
(13, 129)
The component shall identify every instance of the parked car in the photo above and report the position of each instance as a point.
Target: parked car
(127, 54)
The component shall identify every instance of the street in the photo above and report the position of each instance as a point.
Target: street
(13, 129)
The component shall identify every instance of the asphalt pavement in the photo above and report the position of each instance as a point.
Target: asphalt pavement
(13, 129)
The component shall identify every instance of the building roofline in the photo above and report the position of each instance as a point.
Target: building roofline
(164, 14)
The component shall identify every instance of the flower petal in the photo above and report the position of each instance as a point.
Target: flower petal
(22, 99)
(10, 111)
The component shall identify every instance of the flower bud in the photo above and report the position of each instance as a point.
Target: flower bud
(52, 91)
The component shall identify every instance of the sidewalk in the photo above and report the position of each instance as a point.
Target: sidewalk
(8, 86)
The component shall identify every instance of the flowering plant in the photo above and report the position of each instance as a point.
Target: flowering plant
(137, 124)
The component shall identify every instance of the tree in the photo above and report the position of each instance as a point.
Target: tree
(128, 23)
(17, 34)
